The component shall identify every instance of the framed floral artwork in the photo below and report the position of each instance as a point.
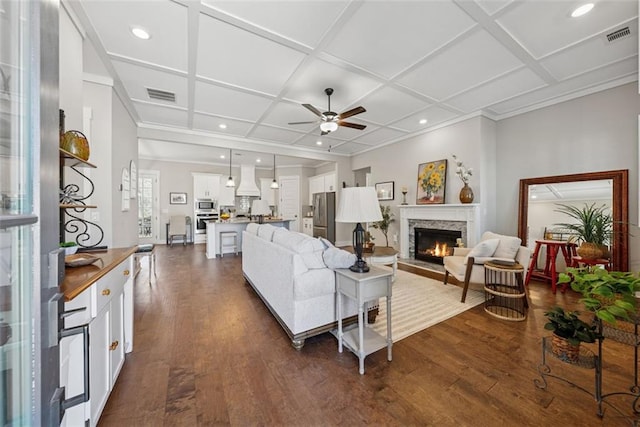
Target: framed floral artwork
(432, 177)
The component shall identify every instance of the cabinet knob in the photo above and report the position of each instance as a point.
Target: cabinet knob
(114, 345)
(106, 292)
(126, 272)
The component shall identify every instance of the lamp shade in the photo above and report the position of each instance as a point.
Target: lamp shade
(328, 126)
(358, 204)
(260, 207)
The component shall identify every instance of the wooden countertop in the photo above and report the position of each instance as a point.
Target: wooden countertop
(77, 279)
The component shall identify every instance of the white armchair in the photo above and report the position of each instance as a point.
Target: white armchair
(466, 265)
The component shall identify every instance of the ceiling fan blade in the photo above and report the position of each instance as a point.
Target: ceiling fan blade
(351, 125)
(302, 123)
(352, 112)
(313, 109)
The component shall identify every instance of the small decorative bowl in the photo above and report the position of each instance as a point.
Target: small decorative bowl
(70, 250)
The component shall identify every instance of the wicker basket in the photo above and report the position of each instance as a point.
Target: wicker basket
(565, 350)
(589, 251)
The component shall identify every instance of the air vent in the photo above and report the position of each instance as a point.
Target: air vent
(618, 34)
(161, 95)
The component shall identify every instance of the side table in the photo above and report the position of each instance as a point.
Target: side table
(382, 255)
(505, 295)
(363, 287)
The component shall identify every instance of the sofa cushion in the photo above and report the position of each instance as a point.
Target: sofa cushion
(484, 249)
(508, 246)
(252, 228)
(338, 258)
(266, 231)
(310, 249)
(326, 243)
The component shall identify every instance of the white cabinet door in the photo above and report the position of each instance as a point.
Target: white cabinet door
(206, 186)
(316, 185)
(330, 182)
(99, 374)
(116, 331)
(266, 192)
(307, 226)
(227, 195)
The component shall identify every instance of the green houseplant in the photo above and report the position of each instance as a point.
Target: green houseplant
(70, 248)
(609, 294)
(383, 224)
(568, 332)
(592, 227)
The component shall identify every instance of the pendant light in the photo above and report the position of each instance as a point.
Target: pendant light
(230, 182)
(274, 183)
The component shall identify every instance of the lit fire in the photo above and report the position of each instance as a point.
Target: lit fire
(440, 250)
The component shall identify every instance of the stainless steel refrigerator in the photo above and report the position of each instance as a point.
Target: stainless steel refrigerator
(324, 216)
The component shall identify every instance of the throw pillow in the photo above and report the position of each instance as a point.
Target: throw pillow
(326, 243)
(266, 231)
(508, 246)
(338, 258)
(252, 228)
(484, 249)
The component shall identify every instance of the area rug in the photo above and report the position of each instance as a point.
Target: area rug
(419, 302)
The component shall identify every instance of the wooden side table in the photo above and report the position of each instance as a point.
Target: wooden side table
(549, 273)
(363, 287)
(505, 295)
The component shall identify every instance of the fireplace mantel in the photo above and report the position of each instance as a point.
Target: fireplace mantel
(468, 213)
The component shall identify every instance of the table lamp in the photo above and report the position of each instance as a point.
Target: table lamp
(358, 204)
(259, 208)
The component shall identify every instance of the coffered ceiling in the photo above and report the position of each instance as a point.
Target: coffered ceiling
(250, 65)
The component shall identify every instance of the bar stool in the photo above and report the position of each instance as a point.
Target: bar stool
(148, 250)
(225, 237)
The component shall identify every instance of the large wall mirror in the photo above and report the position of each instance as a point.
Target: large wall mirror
(608, 187)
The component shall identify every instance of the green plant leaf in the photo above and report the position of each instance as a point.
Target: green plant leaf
(606, 316)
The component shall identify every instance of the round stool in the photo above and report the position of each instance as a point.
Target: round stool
(228, 242)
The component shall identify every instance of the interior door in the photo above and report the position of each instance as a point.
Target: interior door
(29, 212)
(290, 200)
(148, 207)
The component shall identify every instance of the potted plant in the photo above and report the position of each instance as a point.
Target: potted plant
(383, 224)
(592, 228)
(70, 248)
(609, 294)
(568, 332)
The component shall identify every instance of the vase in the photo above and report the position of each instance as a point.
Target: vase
(466, 194)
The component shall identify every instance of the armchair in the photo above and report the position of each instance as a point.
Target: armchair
(466, 265)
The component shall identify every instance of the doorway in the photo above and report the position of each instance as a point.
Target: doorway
(148, 206)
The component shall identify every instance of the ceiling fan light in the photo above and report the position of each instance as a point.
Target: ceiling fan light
(328, 126)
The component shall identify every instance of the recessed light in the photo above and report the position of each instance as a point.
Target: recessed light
(318, 142)
(222, 156)
(423, 121)
(222, 126)
(582, 10)
(258, 160)
(534, 197)
(140, 33)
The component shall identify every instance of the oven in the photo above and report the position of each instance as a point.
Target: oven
(201, 221)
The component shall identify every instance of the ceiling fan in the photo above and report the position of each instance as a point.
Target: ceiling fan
(329, 121)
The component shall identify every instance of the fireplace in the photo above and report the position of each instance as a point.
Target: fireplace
(432, 245)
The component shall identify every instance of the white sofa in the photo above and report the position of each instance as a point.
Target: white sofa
(288, 272)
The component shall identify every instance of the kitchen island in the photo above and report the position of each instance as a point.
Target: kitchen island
(214, 228)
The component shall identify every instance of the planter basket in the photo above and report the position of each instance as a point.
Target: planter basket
(564, 350)
(590, 251)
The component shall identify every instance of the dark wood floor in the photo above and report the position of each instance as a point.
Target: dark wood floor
(207, 351)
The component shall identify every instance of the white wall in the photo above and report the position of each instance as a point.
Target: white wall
(473, 141)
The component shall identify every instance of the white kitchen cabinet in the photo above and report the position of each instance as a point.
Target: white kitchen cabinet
(227, 195)
(307, 226)
(329, 182)
(108, 318)
(325, 183)
(266, 192)
(206, 186)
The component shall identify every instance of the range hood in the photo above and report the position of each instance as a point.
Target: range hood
(247, 185)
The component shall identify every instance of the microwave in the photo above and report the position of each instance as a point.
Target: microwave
(205, 205)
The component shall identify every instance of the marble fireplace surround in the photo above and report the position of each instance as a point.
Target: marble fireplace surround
(463, 217)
